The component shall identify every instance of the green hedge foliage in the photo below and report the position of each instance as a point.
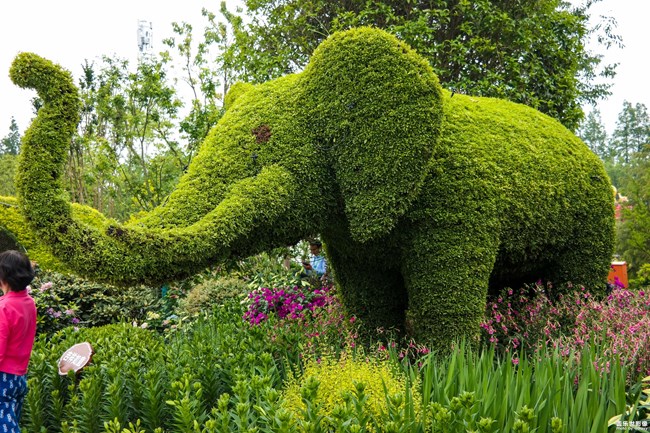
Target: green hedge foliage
(18, 233)
(210, 293)
(424, 198)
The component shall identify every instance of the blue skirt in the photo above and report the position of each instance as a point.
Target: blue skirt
(13, 389)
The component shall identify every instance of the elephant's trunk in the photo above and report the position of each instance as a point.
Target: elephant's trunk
(109, 250)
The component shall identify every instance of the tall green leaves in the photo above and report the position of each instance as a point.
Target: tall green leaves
(554, 389)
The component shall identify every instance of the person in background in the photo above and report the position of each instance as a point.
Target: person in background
(17, 333)
(316, 263)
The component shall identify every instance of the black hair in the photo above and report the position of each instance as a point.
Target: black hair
(15, 270)
(316, 242)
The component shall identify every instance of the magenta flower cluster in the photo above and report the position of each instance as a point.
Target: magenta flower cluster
(312, 315)
(285, 302)
(619, 325)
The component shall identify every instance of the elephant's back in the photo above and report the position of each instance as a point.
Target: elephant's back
(544, 185)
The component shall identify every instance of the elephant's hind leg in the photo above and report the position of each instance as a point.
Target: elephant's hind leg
(446, 274)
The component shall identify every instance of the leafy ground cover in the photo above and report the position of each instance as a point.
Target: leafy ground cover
(256, 349)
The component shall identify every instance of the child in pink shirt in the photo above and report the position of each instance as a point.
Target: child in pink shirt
(17, 332)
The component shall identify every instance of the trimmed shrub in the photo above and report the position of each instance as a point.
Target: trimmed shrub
(15, 228)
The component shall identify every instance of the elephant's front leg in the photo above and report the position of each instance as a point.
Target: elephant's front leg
(446, 272)
(370, 289)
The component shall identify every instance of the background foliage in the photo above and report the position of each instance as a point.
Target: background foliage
(625, 153)
(532, 52)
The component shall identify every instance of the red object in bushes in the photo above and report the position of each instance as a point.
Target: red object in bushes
(618, 274)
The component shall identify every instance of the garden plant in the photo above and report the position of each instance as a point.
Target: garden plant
(221, 373)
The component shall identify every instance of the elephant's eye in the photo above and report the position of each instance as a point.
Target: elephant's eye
(262, 133)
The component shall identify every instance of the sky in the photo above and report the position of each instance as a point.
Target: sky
(69, 31)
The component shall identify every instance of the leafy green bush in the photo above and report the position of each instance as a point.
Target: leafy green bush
(64, 300)
(274, 269)
(211, 292)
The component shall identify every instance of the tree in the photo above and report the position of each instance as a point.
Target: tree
(592, 131)
(633, 240)
(529, 51)
(126, 156)
(632, 132)
(630, 142)
(11, 143)
(132, 143)
(9, 149)
(202, 71)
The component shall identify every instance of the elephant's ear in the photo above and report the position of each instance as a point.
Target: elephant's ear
(235, 91)
(375, 106)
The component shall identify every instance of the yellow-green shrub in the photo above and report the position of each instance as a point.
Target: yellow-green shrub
(14, 226)
(338, 377)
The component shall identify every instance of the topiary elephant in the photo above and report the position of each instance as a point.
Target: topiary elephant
(424, 199)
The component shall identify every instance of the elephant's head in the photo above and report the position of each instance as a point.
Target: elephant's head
(286, 156)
